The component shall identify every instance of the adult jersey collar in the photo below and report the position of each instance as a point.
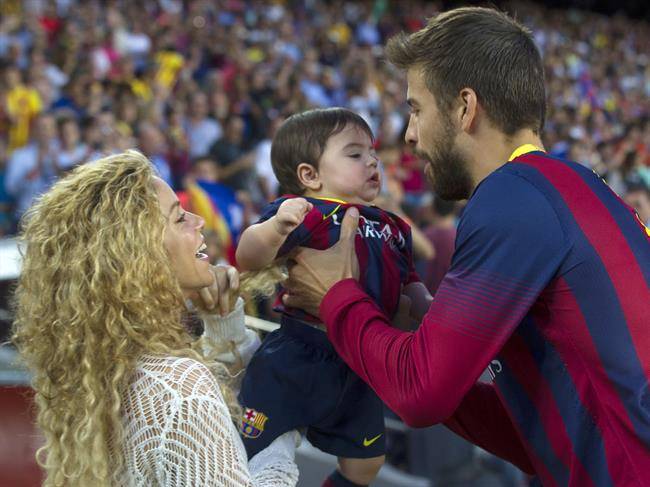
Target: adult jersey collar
(524, 149)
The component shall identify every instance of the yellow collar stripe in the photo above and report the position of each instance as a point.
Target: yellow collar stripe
(524, 149)
(334, 200)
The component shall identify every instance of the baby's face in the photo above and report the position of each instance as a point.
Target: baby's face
(349, 169)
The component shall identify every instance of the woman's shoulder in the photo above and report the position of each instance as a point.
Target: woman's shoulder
(166, 364)
(184, 375)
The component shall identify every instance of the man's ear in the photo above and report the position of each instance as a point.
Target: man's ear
(468, 109)
(308, 176)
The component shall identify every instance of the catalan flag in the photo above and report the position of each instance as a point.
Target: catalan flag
(222, 213)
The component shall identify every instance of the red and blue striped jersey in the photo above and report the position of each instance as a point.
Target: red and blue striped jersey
(549, 287)
(383, 247)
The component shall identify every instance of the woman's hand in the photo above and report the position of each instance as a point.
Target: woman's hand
(221, 296)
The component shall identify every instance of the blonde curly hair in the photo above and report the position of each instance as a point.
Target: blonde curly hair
(96, 292)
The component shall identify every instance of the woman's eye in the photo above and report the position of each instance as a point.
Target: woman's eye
(181, 218)
(355, 156)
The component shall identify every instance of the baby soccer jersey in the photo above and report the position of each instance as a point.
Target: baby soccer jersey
(296, 379)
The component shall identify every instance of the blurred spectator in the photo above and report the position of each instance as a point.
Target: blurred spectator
(202, 131)
(32, 169)
(6, 217)
(638, 197)
(204, 169)
(266, 178)
(22, 103)
(72, 151)
(232, 154)
(152, 144)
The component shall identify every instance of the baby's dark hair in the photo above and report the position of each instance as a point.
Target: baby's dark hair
(302, 138)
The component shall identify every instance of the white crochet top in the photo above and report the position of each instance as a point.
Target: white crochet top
(178, 430)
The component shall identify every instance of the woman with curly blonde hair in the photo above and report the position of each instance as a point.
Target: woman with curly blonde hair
(124, 395)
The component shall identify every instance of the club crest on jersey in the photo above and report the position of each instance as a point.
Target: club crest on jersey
(252, 424)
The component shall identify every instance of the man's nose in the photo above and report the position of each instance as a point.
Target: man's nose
(411, 137)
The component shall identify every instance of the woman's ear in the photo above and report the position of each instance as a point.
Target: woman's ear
(308, 176)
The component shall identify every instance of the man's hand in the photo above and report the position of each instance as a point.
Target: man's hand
(221, 296)
(290, 214)
(314, 272)
(402, 319)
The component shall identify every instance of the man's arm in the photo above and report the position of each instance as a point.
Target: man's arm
(510, 245)
(421, 375)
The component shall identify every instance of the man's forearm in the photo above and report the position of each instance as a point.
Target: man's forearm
(420, 375)
(426, 377)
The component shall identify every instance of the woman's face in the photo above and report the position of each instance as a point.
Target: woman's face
(184, 241)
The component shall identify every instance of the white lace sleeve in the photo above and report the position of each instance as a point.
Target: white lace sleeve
(180, 433)
(222, 331)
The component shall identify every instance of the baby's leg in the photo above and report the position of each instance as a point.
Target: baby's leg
(279, 393)
(361, 471)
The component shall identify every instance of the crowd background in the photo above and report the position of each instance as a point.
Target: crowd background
(209, 81)
(200, 87)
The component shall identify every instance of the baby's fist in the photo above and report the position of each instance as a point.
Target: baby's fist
(291, 213)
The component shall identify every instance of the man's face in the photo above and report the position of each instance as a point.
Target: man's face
(45, 129)
(235, 129)
(199, 105)
(432, 135)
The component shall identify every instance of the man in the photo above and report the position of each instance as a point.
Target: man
(549, 282)
(234, 157)
(22, 104)
(152, 143)
(202, 130)
(32, 169)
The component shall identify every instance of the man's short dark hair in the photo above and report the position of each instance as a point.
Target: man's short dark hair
(482, 49)
(302, 138)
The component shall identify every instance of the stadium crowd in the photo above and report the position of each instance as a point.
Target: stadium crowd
(200, 86)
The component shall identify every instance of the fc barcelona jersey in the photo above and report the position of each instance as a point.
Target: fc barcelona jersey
(383, 247)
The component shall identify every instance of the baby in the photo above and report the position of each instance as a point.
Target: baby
(325, 161)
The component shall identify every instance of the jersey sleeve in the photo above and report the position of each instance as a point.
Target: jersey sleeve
(510, 244)
(301, 235)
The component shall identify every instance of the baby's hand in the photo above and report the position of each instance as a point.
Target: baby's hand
(290, 214)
